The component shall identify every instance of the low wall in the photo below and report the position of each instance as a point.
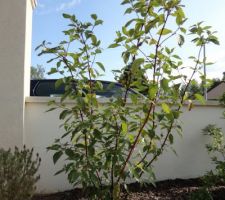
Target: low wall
(191, 161)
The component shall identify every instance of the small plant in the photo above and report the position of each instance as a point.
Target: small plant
(201, 194)
(18, 174)
(217, 148)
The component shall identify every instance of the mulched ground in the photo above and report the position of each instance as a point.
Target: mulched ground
(166, 190)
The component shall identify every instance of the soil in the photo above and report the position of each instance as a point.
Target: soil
(177, 189)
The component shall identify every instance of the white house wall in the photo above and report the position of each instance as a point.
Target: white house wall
(15, 56)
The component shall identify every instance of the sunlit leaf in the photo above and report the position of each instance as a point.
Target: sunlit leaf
(101, 65)
(200, 98)
(164, 31)
(166, 108)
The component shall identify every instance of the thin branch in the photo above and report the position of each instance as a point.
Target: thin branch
(158, 45)
(89, 70)
(135, 142)
(171, 35)
(151, 104)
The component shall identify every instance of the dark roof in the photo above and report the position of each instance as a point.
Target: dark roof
(215, 85)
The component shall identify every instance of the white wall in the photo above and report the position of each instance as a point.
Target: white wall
(15, 56)
(192, 160)
(41, 129)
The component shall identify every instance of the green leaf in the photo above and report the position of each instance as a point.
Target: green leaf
(193, 29)
(152, 91)
(207, 27)
(171, 138)
(38, 47)
(150, 25)
(94, 16)
(126, 56)
(177, 57)
(58, 83)
(98, 22)
(136, 63)
(67, 16)
(200, 98)
(176, 114)
(101, 65)
(164, 31)
(164, 84)
(168, 51)
(183, 30)
(94, 40)
(128, 11)
(51, 109)
(73, 176)
(114, 45)
(129, 22)
(52, 102)
(91, 151)
(64, 113)
(134, 98)
(54, 147)
(97, 134)
(166, 108)
(69, 153)
(152, 41)
(160, 117)
(214, 40)
(180, 16)
(52, 71)
(59, 172)
(124, 30)
(124, 127)
(56, 156)
(180, 40)
(125, 2)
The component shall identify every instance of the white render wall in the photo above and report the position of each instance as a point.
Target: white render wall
(41, 129)
(15, 56)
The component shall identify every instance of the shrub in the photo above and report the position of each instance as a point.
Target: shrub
(106, 145)
(18, 174)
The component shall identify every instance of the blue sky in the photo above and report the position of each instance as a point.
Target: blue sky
(48, 25)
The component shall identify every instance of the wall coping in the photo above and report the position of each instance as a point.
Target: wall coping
(105, 100)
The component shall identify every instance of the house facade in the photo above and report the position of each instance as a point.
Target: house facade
(15, 62)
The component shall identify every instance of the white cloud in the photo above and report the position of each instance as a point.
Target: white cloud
(45, 10)
(216, 56)
(68, 5)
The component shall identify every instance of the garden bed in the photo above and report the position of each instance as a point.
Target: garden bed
(178, 189)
